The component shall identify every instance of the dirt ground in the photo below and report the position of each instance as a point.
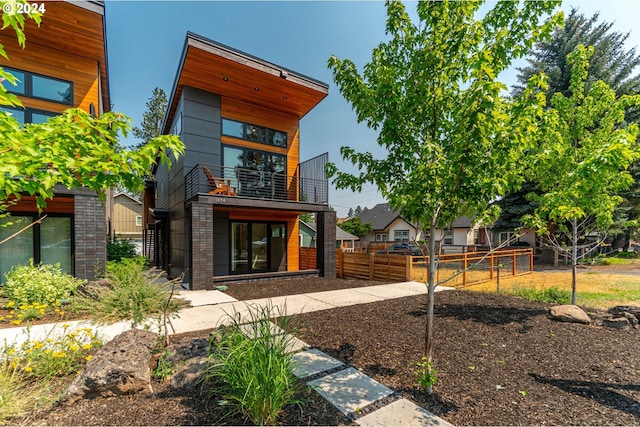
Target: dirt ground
(501, 361)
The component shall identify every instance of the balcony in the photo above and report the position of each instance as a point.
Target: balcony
(255, 184)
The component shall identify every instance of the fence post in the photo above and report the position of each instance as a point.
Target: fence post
(464, 269)
(531, 260)
(491, 266)
(513, 266)
(408, 265)
(371, 265)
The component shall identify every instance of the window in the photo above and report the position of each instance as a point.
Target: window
(381, 237)
(401, 235)
(49, 242)
(448, 237)
(41, 87)
(138, 220)
(255, 173)
(258, 246)
(255, 133)
(28, 115)
(476, 237)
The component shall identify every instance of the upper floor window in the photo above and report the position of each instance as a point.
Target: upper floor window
(41, 87)
(254, 133)
(28, 115)
(401, 235)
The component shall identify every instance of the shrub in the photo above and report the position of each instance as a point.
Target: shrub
(551, 295)
(43, 284)
(58, 356)
(132, 295)
(253, 366)
(118, 249)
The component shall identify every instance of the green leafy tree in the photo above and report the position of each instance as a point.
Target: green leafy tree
(153, 118)
(356, 227)
(611, 62)
(72, 149)
(431, 91)
(582, 161)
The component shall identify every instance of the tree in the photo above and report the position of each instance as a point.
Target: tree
(356, 227)
(350, 213)
(358, 211)
(153, 118)
(431, 91)
(72, 149)
(582, 160)
(610, 62)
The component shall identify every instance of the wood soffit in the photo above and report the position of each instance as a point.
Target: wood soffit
(77, 28)
(216, 68)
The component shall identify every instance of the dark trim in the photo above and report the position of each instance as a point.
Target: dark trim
(28, 112)
(252, 203)
(239, 278)
(267, 133)
(250, 249)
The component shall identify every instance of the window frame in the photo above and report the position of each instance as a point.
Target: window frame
(447, 238)
(28, 86)
(268, 133)
(406, 233)
(28, 113)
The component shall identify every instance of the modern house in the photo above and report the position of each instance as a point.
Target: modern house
(229, 207)
(308, 232)
(63, 65)
(126, 217)
(388, 226)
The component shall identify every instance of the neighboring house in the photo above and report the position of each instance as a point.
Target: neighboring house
(229, 207)
(388, 226)
(126, 217)
(63, 65)
(463, 235)
(308, 236)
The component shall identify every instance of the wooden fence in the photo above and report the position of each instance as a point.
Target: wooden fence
(308, 258)
(457, 270)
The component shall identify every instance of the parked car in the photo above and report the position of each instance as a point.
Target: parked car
(519, 245)
(402, 249)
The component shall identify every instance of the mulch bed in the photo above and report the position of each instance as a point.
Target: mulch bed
(501, 362)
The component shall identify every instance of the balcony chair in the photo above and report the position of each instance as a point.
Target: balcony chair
(218, 184)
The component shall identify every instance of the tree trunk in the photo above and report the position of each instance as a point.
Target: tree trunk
(431, 286)
(574, 261)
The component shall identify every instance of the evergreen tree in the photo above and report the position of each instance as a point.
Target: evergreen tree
(358, 211)
(350, 214)
(152, 119)
(611, 63)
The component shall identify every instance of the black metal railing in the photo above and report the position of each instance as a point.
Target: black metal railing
(256, 184)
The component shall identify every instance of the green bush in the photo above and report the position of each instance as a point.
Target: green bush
(253, 366)
(118, 249)
(551, 295)
(131, 295)
(44, 284)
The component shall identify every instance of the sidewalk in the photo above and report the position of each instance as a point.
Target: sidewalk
(345, 387)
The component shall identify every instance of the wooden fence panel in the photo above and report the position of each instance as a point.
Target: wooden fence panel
(308, 258)
(458, 270)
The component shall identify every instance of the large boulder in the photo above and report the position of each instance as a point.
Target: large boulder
(569, 313)
(120, 367)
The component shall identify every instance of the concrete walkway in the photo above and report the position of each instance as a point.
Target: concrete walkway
(346, 388)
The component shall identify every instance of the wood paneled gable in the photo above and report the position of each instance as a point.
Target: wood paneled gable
(69, 44)
(219, 69)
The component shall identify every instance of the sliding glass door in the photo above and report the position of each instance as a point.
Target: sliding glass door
(258, 247)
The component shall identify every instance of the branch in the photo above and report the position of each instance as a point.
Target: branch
(37, 221)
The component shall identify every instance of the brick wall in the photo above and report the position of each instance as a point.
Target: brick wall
(326, 246)
(201, 271)
(90, 236)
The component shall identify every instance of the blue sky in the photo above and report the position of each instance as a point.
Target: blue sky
(145, 39)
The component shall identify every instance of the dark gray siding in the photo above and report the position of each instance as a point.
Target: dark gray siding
(221, 238)
(199, 112)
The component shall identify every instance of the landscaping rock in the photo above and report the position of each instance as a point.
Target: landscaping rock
(189, 375)
(94, 288)
(569, 313)
(120, 367)
(616, 323)
(619, 310)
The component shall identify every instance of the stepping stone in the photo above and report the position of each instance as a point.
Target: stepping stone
(350, 390)
(401, 413)
(312, 362)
